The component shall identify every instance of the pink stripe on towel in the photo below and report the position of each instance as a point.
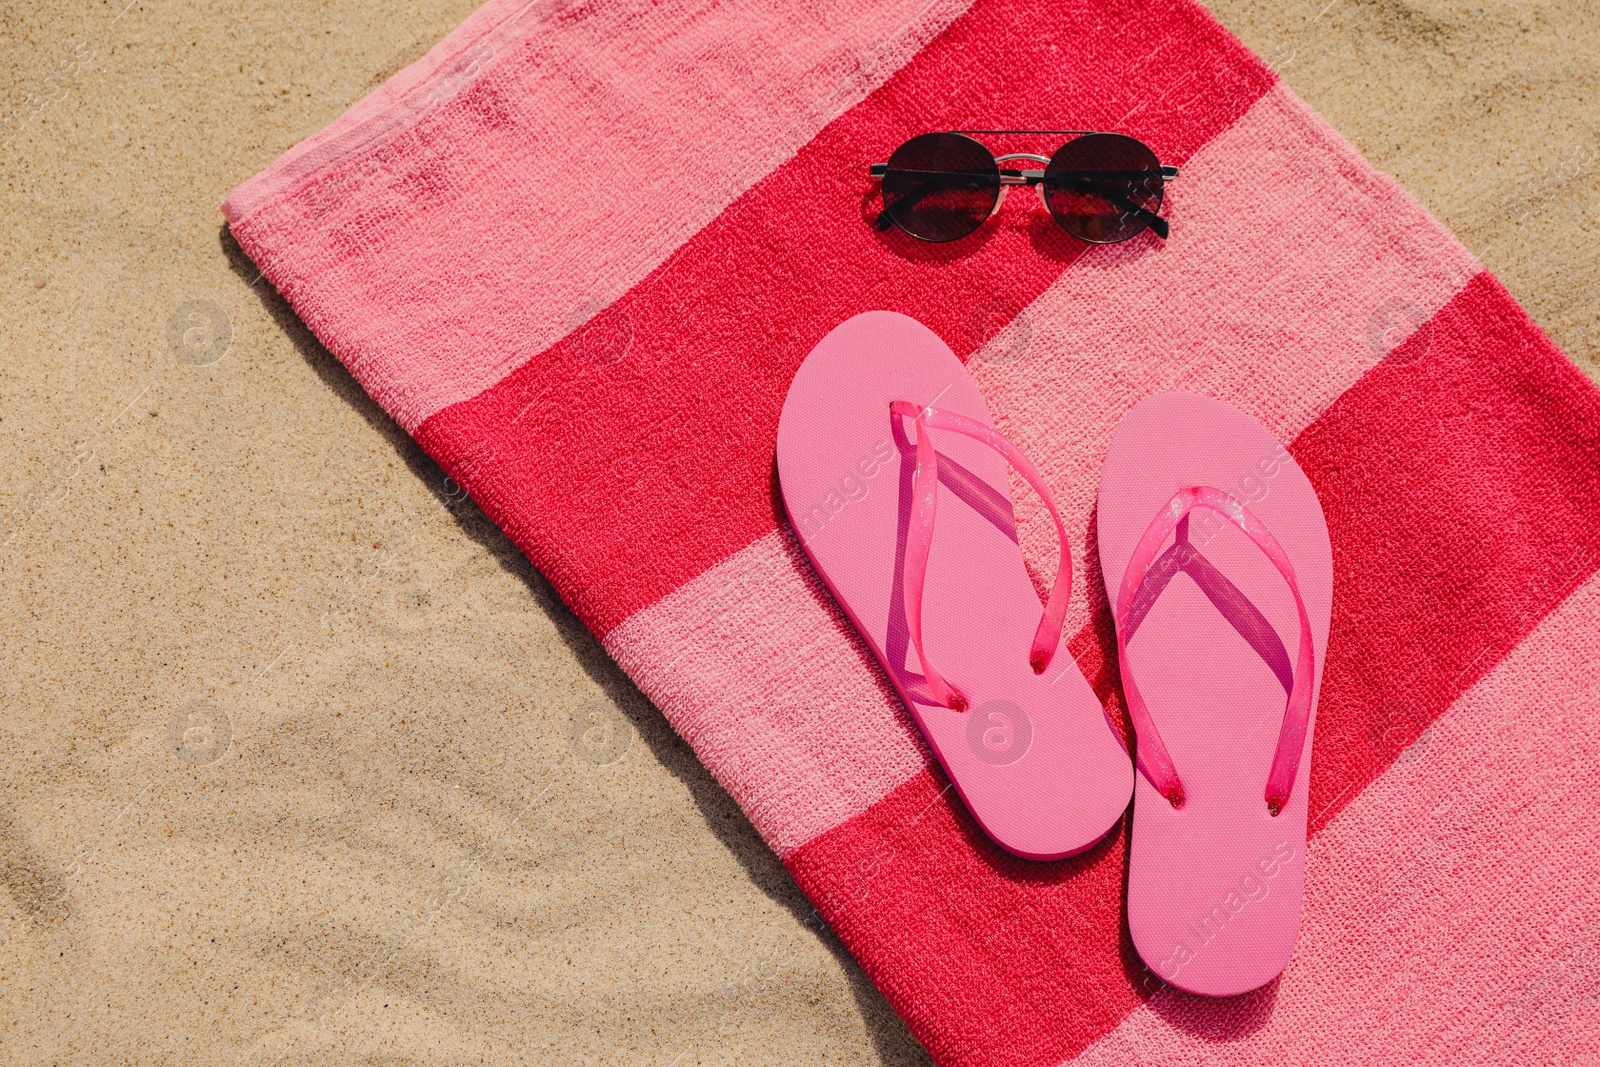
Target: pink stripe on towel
(812, 738)
(534, 167)
(1450, 911)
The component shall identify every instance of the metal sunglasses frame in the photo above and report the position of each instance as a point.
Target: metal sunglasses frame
(1012, 176)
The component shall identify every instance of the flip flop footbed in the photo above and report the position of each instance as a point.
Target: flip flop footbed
(1214, 887)
(1033, 757)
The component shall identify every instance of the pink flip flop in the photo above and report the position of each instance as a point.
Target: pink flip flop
(1221, 670)
(895, 483)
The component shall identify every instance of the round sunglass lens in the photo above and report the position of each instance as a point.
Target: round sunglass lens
(1103, 187)
(940, 186)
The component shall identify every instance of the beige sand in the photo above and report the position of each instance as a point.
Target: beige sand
(302, 762)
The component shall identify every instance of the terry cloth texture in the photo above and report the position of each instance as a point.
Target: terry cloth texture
(578, 252)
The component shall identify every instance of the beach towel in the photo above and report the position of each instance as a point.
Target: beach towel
(578, 251)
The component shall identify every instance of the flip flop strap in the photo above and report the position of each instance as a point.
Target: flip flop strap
(919, 539)
(1155, 762)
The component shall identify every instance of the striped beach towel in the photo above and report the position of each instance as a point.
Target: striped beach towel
(580, 248)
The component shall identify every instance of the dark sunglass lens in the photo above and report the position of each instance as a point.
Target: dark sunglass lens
(940, 186)
(1104, 187)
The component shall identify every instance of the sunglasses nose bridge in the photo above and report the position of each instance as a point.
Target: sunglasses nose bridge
(1032, 157)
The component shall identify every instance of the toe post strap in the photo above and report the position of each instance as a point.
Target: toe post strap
(919, 541)
(1134, 601)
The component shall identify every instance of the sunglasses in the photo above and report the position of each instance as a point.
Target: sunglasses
(1101, 187)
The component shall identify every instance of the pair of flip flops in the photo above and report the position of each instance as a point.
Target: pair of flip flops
(895, 481)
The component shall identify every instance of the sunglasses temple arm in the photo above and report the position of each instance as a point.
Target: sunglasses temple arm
(1157, 224)
(878, 170)
(909, 200)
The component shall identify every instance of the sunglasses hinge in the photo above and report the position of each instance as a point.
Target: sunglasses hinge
(1021, 177)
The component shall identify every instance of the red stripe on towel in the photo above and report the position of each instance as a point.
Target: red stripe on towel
(990, 959)
(1460, 480)
(622, 476)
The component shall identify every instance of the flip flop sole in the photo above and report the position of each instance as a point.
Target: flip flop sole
(1034, 758)
(1214, 887)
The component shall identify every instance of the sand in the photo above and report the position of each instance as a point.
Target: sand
(302, 762)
